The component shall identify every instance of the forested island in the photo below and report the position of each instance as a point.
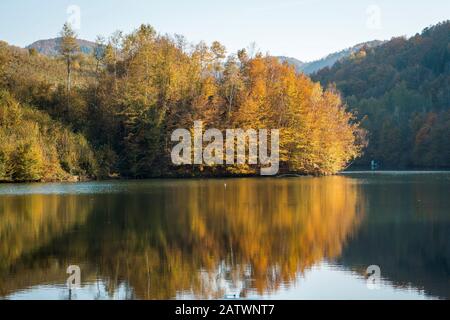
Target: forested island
(111, 112)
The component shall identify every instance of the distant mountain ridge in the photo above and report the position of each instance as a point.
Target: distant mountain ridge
(50, 47)
(330, 60)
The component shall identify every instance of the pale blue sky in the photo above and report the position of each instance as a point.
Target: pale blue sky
(305, 29)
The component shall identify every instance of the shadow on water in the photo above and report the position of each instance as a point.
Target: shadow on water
(406, 230)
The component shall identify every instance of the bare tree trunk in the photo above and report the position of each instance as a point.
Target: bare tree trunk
(97, 79)
(68, 84)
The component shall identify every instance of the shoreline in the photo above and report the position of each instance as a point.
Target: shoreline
(229, 177)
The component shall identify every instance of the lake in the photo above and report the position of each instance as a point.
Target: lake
(274, 238)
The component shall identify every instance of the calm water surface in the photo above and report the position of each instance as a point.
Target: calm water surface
(280, 238)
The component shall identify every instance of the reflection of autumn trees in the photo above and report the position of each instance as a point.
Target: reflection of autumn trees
(28, 222)
(281, 226)
(186, 236)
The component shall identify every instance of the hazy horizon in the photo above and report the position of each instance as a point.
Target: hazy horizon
(305, 29)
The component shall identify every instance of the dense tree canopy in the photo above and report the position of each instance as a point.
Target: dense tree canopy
(401, 93)
(33, 147)
(129, 96)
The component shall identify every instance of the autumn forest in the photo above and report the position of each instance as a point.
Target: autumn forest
(111, 113)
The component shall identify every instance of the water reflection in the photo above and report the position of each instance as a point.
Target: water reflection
(211, 238)
(407, 231)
